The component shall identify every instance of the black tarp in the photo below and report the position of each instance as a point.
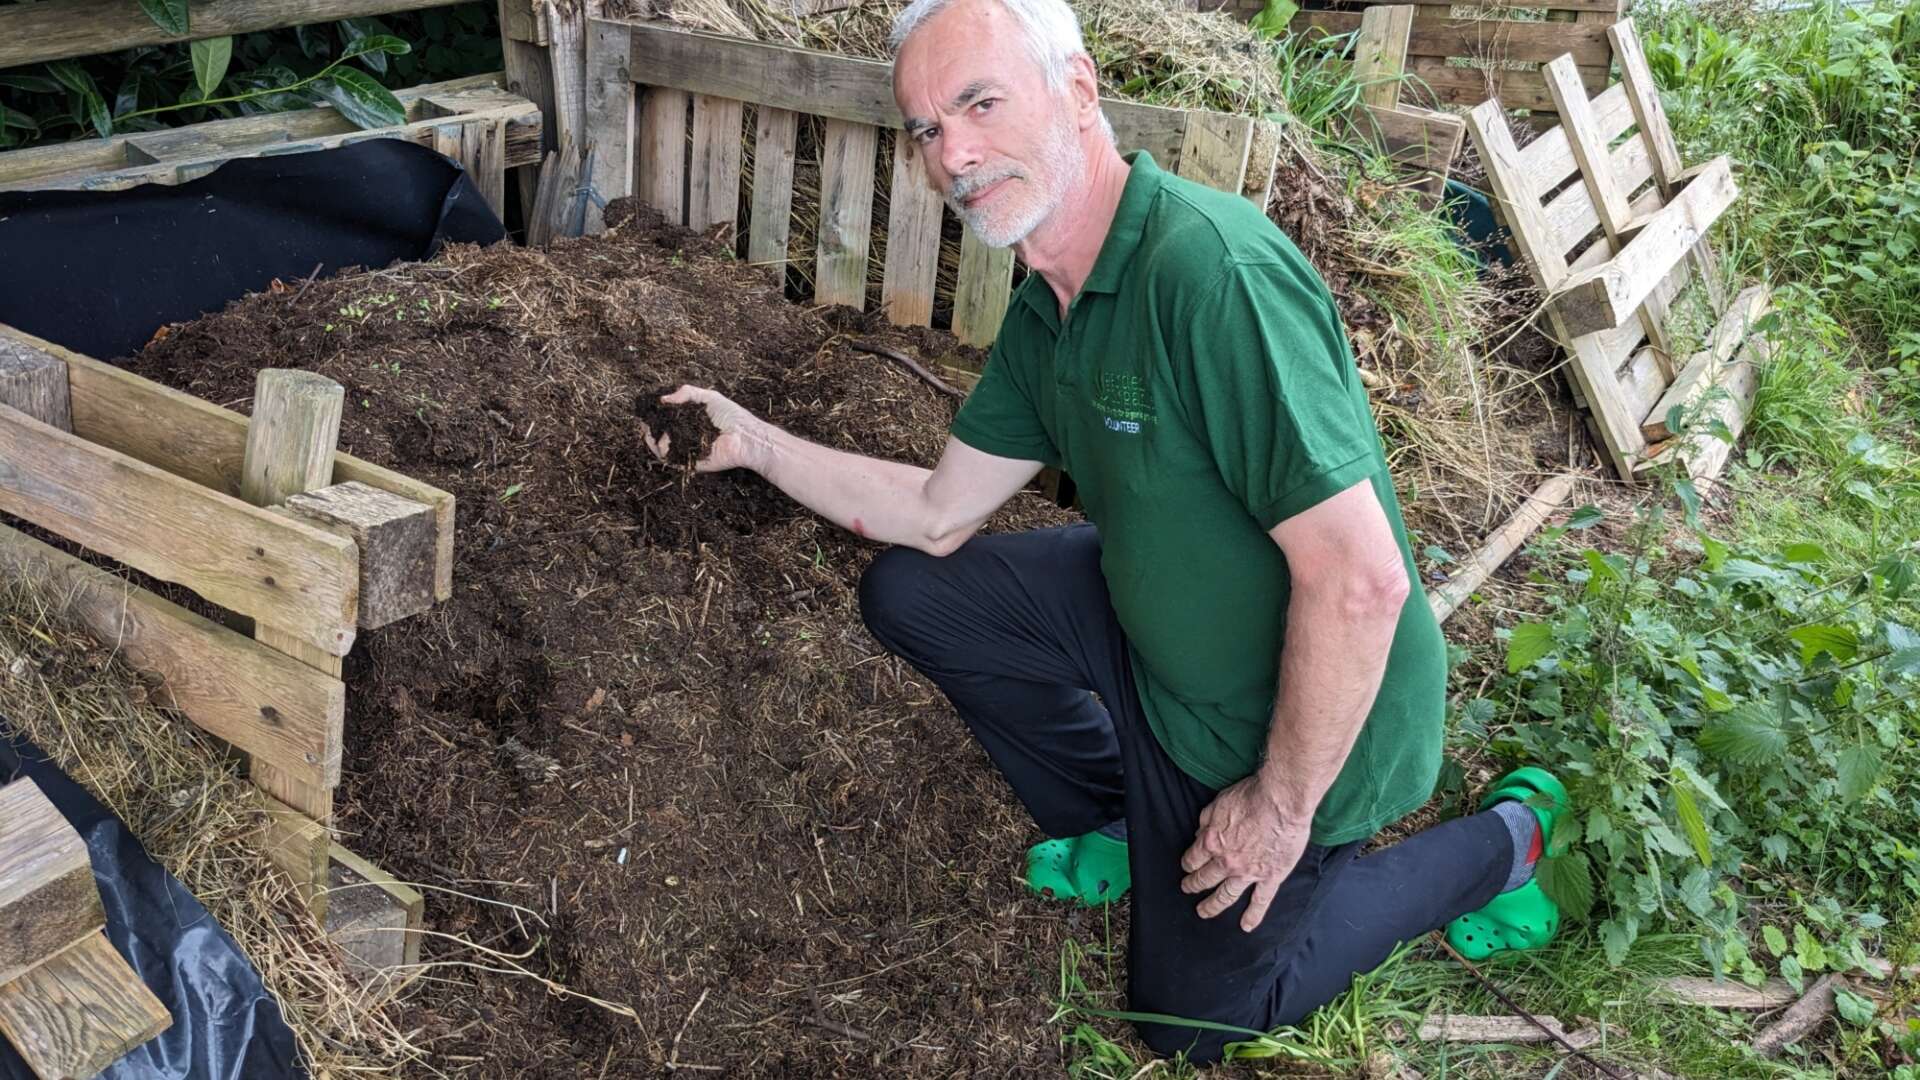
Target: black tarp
(100, 271)
(225, 1026)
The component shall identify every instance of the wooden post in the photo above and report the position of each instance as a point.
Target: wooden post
(396, 541)
(770, 220)
(290, 446)
(713, 184)
(608, 115)
(846, 213)
(35, 383)
(1380, 53)
(913, 239)
(985, 288)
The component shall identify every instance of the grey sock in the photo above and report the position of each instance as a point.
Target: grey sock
(1114, 830)
(1523, 826)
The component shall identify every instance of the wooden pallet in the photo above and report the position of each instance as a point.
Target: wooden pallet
(644, 80)
(472, 120)
(1612, 251)
(1459, 56)
(154, 479)
(69, 1003)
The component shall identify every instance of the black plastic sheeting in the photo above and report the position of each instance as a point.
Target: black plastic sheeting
(225, 1026)
(100, 271)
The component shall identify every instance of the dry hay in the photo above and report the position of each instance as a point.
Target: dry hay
(180, 791)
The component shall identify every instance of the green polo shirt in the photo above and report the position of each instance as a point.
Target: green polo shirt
(1199, 392)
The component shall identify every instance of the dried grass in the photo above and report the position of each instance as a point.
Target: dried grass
(180, 791)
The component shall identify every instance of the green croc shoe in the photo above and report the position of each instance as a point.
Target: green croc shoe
(1523, 918)
(1088, 870)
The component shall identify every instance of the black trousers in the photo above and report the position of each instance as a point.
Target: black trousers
(1019, 633)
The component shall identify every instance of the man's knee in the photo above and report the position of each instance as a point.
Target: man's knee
(890, 591)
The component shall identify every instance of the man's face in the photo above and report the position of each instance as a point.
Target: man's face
(999, 144)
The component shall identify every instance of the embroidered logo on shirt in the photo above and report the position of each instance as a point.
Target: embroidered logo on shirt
(1123, 397)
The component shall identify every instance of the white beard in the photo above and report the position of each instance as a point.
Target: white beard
(1064, 162)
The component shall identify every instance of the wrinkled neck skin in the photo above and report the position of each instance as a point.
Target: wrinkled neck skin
(1062, 249)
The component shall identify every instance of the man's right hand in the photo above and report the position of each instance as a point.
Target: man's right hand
(745, 441)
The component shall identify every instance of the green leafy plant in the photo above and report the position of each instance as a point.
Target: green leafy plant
(1734, 724)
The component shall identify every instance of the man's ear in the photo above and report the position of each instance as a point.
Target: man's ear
(1083, 83)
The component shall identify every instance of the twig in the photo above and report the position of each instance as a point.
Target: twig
(1802, 1017)
(1518, 1011)
(673, 1052)
(910, 363)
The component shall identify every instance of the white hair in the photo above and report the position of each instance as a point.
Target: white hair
(1048, 28)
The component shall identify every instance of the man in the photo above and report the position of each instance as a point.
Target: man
(1269, 681)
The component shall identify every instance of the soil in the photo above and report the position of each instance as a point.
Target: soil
(647, 750)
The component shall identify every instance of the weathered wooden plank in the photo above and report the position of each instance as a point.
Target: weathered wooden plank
(985, 287)
(660, 163)
(1263, 160)
(775, 132)
(713, 183)
(299, 847)
(395, 537)
(846, 213)
(1548, 160)
(171, 157)
(377, 935)
(1500, 546)
(202, 442)
(269, 705)
(528, 68)
(1643, 97)
(80, 1011)
(833, 87)
(1608, 191)
(1452, 85)
(1214, 151)
(913, 239)
(35, 382)
(1438, 34)
(48, 899)
(282, 572)
(59, 29)
(1726, 994)
(1607, 295)
(478, 149)
(1380, 53)
(1703, 368)
(1416, 138)
(1571, 215)
(608, 116)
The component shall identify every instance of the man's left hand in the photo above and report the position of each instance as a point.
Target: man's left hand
(1247, 840)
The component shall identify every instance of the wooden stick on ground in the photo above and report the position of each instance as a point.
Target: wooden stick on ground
(909, 363)
(1806, 1014)
(1529, 1017)
(1500, 546)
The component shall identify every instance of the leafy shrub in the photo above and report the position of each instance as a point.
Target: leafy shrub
(1738, 730)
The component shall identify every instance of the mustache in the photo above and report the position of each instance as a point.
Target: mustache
(965, 187)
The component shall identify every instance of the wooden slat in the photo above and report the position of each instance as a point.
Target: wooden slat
(1548, 160)
(985, 286)
(1607, 295)
(1263, 160)
(528, 68)
(1451, 85)
(1214, 151)
(1437, 34)
(774, 135)
(1643, 95)
(1706, 454)
(1471, 574)
(281, 572)
(58, 29)
(183, 154)
(608, 117)
(713, 182)
(846, 213)
(1416, 138)
(1571, 216)
(262, 702)
(1703, 368)
(913, 239)
(479, 150)
(80, 1011)
(660, 164)
(48, 899)
(1608, 191)
(298, 846)
(1380, 53)
(202, 442)
(830, 86)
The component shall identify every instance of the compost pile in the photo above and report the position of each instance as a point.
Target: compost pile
(647, 752)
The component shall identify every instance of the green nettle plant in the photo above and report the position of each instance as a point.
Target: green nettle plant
(1734, 725)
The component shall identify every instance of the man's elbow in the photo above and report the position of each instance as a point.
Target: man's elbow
(941, 543)
(1365, 592)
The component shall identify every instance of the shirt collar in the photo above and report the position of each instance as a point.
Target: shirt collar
(1123, 237)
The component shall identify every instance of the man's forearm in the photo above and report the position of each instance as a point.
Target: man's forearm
(1338, 636)
(879, 500)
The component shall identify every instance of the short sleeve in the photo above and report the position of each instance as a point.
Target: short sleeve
(1000, 416)
(1269, 384)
